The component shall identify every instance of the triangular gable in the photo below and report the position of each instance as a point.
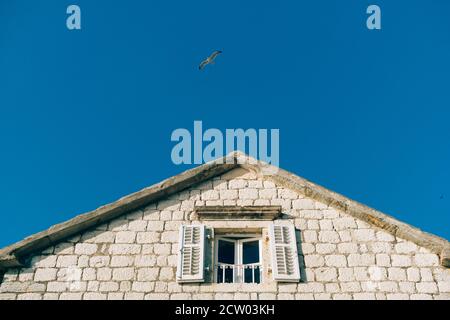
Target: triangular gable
(11, 256)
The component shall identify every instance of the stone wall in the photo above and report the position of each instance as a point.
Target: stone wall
(135, 256)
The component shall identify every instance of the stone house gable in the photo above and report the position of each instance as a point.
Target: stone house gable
(130, 249)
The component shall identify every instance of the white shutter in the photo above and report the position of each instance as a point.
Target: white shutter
(191, 253)
(283, 245)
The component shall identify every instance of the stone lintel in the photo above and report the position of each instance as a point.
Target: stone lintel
(238, 212)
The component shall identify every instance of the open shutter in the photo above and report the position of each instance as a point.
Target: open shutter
(191, 253)
(284, 253)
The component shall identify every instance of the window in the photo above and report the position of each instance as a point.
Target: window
(238, 259)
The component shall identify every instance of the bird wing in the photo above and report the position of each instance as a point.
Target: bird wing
(215, 54)
(203, 64)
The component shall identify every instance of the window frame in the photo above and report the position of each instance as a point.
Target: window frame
(238, 255)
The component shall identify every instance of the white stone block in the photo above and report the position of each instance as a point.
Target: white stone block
(237, 184)
(125, 249)
(148, 274)
(94, 296)
(104, 274)
(155, 226)
(326, 274)
(405, 247)
(157, 296)
(162, 249)
(303, 204)
(147, 237)
(313, 225)
(309, 236)
(248, 194)
(122, 261)
(29, 296)
(125, 237)
(347, 248)
(311, 287)
(413, 274)
(326, 224)
(258, 184)
(364, 235)
(268, 193)
(45, 274)
(332, 287)
(383, 260)
(287, 194)
(307, 248)
(407, 287)
(396, 274)
(71, 296)
(85, 248)
(325, 248)
(166, 274)
(400, 260)
(329, 237)
(444, 286)
(169, 205)
(67, 261)
(145, 261)
(120, 274)
(269, 185)
(89, 274)
(229, 194)
(137, 225)
(43, 261)
(426, 274)
(426, 287)
(152, 214)
(335, 260)
(381, 247)
(357, 260)
(364, 296)
(165, 215)
(143, 286)
(388, 286)
(350, 287)
(314, 260)
(109, 286)
(426, 260)
(57, 286)
(210, 195)
(344, 223)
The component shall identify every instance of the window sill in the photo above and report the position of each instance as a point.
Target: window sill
(239, 287)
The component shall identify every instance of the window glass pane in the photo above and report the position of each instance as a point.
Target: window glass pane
(227, 272)
(226, 251)
(252, 274)
(250, 252)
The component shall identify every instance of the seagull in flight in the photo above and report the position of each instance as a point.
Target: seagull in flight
(209, 60)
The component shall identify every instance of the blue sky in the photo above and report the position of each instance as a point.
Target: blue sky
(86, 116)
